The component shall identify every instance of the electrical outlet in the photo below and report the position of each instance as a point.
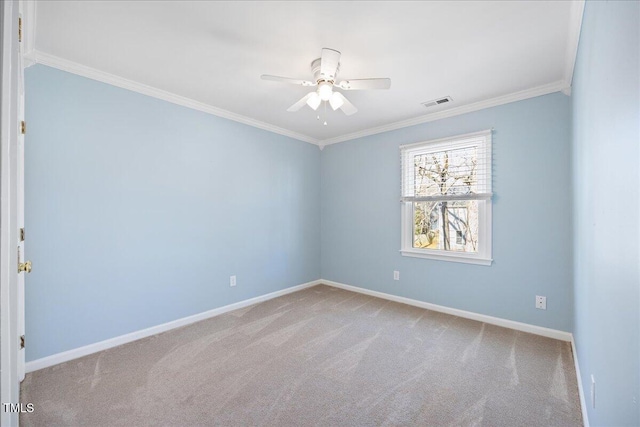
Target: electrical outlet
(232, 281)
(541, 302)
(396, 275)
(593, 392)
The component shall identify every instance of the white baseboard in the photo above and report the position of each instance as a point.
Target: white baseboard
(511, 324)
(583, 403)
(76, 353)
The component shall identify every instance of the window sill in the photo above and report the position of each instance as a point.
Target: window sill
(447, 257)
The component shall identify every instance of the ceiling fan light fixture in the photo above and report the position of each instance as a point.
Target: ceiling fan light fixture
(336, 101)
(325, 70)
(325, 91)
(314, 101)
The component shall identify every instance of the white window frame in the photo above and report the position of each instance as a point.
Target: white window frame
(484, 254)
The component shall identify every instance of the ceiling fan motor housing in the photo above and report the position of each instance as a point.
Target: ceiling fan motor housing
(317, 75)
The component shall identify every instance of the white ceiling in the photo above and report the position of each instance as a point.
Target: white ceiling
(215, 52)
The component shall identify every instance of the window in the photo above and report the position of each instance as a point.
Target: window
(446, 199)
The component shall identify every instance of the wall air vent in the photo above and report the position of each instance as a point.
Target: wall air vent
(437, 101)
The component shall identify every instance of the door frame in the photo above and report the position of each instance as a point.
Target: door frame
(22, 256)
(9, 123)
(23, 10)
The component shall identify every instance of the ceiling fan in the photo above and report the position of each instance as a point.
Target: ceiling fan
(325, 72)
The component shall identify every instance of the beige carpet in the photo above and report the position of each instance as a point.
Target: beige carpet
(321, 356)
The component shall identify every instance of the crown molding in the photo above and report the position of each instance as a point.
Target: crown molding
(28, 14)
(112, 79)
(463, 109)
(36, 56)
(575, 26)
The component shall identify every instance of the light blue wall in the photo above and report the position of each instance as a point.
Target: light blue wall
(532, 231)
(606, 158)
(138, 211)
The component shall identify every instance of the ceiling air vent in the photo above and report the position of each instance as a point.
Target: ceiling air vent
(437, 101)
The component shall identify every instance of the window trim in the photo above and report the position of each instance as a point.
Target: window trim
(484, 254)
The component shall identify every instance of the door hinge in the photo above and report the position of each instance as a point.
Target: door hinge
(22, 234)
(21, 342)
(20, 29)
(23, 127)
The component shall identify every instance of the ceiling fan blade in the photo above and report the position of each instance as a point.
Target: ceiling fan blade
(329, 62)
(287, 80)
(298, 105)
(361, 84)
(347, 107)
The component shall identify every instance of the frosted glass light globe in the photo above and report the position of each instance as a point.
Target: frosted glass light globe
(314, 101)
(324, 90)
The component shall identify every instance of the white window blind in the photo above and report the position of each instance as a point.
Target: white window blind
(448, 169)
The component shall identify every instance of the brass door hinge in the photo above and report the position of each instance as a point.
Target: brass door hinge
(21, 342)
(23, 127)
(19, 29)
(22, 234)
